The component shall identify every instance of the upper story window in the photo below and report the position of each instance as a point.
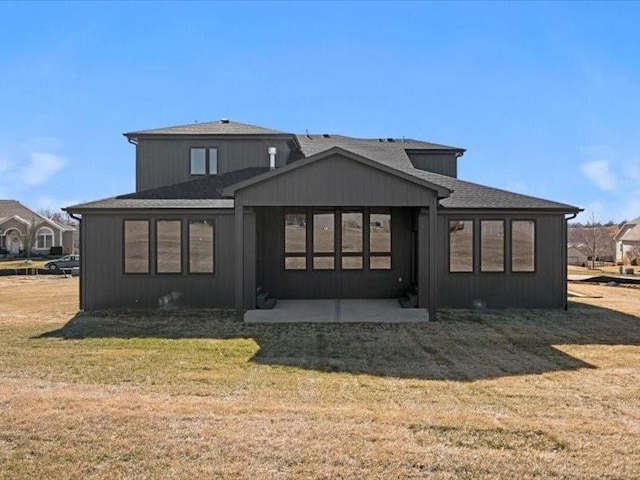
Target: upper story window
(204, 161)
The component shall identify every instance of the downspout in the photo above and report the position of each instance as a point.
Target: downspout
(564, 258)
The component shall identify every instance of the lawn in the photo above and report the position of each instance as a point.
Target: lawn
(22, 263)
(509, 394)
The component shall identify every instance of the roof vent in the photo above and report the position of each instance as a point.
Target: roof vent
(326, 135)
(224, 120)
(381, 139)
(390, 140)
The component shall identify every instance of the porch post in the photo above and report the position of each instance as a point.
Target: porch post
(239, 258)
(433, 228)
(423, 259)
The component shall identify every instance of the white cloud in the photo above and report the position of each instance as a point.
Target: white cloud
(598, 172)
(41, 168)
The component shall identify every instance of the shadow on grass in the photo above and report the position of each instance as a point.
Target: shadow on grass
(462, 345)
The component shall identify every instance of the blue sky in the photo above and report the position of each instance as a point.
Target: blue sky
(545, 97)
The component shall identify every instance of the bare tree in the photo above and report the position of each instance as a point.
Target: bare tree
(597, 240)
(31, 235)
(61, 218)
(634, 254)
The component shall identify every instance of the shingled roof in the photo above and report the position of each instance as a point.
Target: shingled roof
(394, 154)
(391, 152)
(9, 208)
(219, 127)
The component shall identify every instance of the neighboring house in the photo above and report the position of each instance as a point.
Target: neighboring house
(576, 255)
(628, 240)
(15, 223)
(223, 208)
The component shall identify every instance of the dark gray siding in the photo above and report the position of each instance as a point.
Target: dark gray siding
(165, 161)
(543, 289)
(104, 285)
(331, 284)
(437, 162)
(335, 181)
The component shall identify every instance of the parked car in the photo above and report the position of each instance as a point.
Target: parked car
(66, 262)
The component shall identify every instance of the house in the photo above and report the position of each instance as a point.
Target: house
(576, 255)
(17, 223)
(628, 241)
(224, 208)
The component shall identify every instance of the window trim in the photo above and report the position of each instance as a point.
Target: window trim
(361, 252)
(156, 221)
(189, 221)
(207, 161)
(535, 246)
(504, 245)
(474, 228)
(149, 246)
(389, 254)
(305, 254)
(40, 232)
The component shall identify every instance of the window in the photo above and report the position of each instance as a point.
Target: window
(523, 244)
(201, 244)
(136, 246)
(295, 240)
(323, 240)
(362, 239)
(460, 246)
(352, 241)
(45, 238)
(168, 246)
(380, 240)
(204, 161)
(492, 246)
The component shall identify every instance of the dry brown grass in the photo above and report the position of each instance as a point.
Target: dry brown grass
(517, 394)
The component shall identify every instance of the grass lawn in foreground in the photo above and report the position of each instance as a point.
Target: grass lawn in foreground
(193, 394)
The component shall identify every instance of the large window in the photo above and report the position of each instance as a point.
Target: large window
(295, 240)
(523, 244)
(136, 246)
(45, 238)
(352, 241)
(323, 240)
(168, 246)
(492, 245)
(201, 244)
(380, 240)
(461, 245)
(204, 161)
(362, 239)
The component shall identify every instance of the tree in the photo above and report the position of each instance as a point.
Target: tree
(597, 240)
(634, 255)
(61, 218)
(31, 235)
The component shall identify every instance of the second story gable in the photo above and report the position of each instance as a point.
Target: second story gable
(167, 156)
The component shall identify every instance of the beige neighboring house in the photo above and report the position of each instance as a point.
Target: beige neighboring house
(15, 219)
(627, 238)
(575, 255)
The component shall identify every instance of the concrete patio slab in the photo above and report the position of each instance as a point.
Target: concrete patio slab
(338, 311)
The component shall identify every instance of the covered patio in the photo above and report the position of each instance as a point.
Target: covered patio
(338, 311)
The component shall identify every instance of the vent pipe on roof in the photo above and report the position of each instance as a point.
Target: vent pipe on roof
(272, 157)
(224, 120)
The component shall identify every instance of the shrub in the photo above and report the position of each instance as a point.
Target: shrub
(55, 251)
(634, 262)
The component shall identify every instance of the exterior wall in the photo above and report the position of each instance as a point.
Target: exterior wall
(104, 284)
(545, 288)
(166, 161)
(365, 283)
(335, 181)
(443, 163)
(623, 248)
